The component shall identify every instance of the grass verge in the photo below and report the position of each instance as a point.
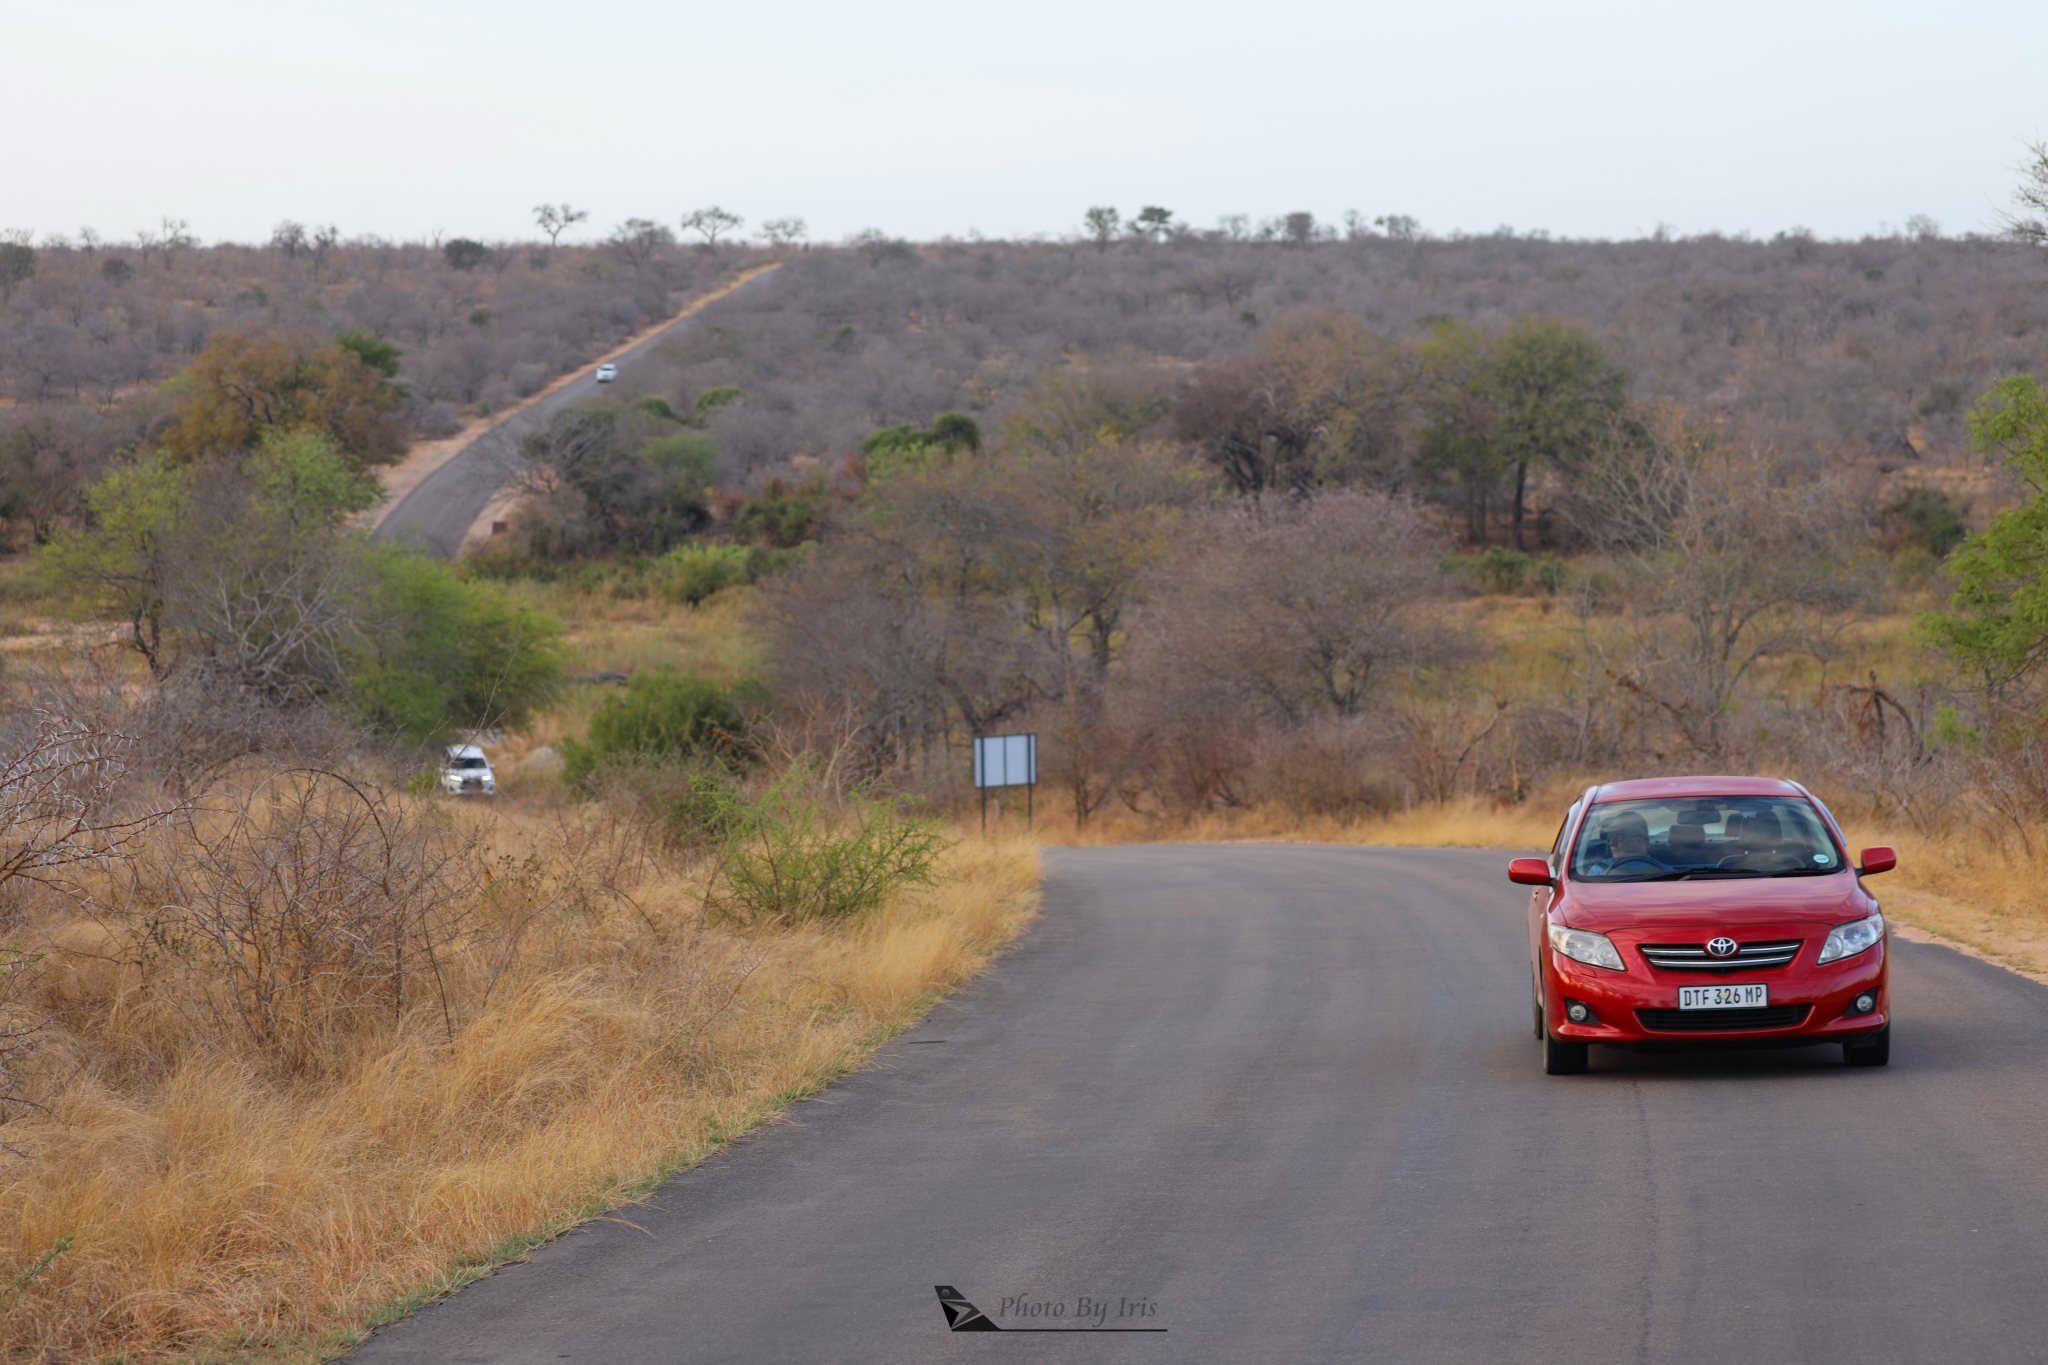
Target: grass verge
(219, 1210)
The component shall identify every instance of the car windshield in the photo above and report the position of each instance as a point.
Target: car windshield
(1682, 837)
(471, 762)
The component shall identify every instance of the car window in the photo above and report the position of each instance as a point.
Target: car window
(1557, 844)
(1758, 835)
(471, 763)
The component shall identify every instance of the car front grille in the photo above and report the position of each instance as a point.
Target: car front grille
(1723, 1021)
(1693, 957)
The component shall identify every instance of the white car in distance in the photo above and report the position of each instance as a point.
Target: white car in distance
(468, 772)
(607, 372)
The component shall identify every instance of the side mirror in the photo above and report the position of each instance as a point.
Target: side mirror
(1529, 871)
(1876, 860)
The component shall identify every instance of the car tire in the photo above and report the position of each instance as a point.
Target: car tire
(1536, 1009)
(1873, 1051)
(1562, 1058)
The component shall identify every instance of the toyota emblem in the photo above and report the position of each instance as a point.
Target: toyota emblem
(1723, 947)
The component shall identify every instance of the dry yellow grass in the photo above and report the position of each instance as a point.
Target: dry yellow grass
(216, 1207)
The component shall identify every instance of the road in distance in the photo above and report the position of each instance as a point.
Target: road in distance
(445, 504)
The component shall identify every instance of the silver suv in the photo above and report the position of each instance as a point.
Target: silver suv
(468, 772)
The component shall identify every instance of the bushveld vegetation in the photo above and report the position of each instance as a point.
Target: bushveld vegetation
(281, 1046)
(90, 329)
(1279, 532)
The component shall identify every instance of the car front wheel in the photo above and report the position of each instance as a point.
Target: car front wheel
(1876, 1050)
(1562, 1058)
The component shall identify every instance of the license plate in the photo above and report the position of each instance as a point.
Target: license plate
(1742, 997)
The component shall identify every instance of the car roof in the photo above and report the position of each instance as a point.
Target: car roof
(1650, 788)
(464, 751)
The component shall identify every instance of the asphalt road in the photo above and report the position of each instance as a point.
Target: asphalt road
(448, 501)
(1286, 1097)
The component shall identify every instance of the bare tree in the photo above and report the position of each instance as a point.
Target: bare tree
(1729, 559)
(325, 240)
(639, 240)
(1102, 223)
(780, 232)
(711, 222)
(555, 219)
(174, 235)
(290, 238)
(1293, 608)
(2029, 223)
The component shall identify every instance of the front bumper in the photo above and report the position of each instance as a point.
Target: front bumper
(1828, 993)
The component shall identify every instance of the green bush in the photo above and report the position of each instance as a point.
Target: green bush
(1930, 520)
(1502, 569)
(691, 573)
(792, 851)
(663, 714)
(1553, 573)
(781, 517)
(454, 654)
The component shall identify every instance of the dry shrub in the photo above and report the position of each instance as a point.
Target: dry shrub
(1338, 767)
(257, 1126)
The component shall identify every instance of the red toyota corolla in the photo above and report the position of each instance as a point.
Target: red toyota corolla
(1705, 912)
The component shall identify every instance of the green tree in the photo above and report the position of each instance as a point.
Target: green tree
(781, 517)
(375, 352)
(1997, 619)
(17, 263)
(118, 565)
(1459, 417)
(248, 385)
(669, 503)
(240, 564)
(449, 654)
(895, 449)
(1541, 393)
(465, 253)
(1554, 393)
(248, 566)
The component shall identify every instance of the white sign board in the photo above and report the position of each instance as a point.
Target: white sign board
(1006, 761)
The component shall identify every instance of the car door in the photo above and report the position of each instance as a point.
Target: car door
(1540, 897)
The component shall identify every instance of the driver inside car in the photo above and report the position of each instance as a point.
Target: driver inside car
(1627, 835)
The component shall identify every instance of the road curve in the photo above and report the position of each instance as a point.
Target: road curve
(1287, 1097)
(441, 510)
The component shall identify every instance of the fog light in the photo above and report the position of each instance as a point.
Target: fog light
(1576, 1011)
(1863, 1004)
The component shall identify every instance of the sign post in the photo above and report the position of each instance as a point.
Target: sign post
(1006, 761)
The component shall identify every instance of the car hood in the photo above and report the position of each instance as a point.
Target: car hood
(1746, 900)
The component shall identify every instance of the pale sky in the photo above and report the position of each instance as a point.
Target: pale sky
(1581, 117)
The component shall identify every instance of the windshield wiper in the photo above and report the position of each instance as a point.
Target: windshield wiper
(1724, 872)
(1645, 877)
(1805, 872)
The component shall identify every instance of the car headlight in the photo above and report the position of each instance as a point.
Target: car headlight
(1583, 945)
(1847, 940)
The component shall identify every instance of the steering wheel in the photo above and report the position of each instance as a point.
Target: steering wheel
(1641, 859)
